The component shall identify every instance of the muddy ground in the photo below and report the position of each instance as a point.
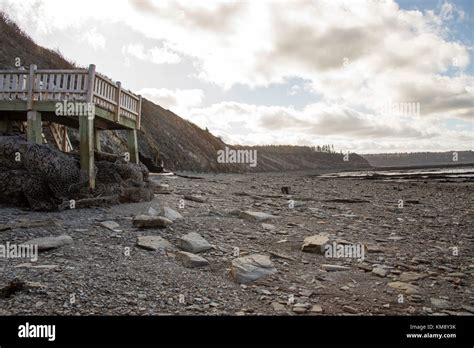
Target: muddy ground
(105, 272)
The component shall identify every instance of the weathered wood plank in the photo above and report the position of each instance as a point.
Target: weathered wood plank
(34, 127)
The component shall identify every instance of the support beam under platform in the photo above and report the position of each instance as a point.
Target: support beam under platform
(97, 139)
(5, 126)
(34, 127)
(86, 148)
(132, 145)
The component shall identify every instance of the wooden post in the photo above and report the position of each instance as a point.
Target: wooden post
(132, 145)
(34, 127)
(139, 117)
(31, 86)
(86, 134)
(90, 83)
(86, 148)
(97, 139)
(5, 126)
(117, 111)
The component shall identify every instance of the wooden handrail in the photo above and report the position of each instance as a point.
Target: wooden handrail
(56, 85)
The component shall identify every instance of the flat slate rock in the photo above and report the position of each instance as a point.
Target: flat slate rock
(411, 276)
(154, 243)
(315, 244)
(405, 287)
(250, 268)
(191, 260)
(255, 216)
(147, 221)
(171, 214)
(52, 242)
(193, 243)
(194, 198)
(440, 303)
(111, 225)
(335, 268)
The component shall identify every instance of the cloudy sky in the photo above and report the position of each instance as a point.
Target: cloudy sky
(364, 75)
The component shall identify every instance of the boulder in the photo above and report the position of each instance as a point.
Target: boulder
(191, 260)
(171, 214)
(315, 244)
(193, 243)
(154, 243)
(250, 268)
(147, 221)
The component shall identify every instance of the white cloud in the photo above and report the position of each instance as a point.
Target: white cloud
(156, 55)
(95, 39)
(353, 55)
(318, 123)
(179, 100)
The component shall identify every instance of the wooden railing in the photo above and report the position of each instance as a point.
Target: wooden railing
(71, 85)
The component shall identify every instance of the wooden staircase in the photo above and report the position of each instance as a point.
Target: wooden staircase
(54, 133)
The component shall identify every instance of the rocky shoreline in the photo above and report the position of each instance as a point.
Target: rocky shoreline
(234, 245)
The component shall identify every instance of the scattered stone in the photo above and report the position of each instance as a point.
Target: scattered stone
(234, 212)
(193, 242)
(395, 238)
(111, 225)
(171, 214)
(268, 227)
(194, 198)
(350, 309)
(334, 268)
(315, 244)
(161, 189)
(47, 243)
(306, 293)
(147, 221)
(153, 212)
(301, 308)
(154, 243)
(278, 307)
(411, 276)
(281, 256)
(316, 309)
(191, 260)
(380, 271)
(468, 308)
(440, 303)
(255, 216)
(250, 268)
(365, 267)
(457, 275)
(405, 287)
